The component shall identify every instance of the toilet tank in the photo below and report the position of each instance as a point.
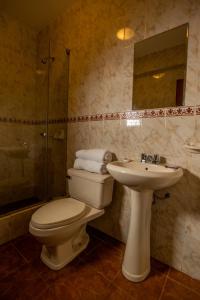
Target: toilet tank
(91, 188)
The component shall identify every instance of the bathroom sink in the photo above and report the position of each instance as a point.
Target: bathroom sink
(141, 179)
(143, 175)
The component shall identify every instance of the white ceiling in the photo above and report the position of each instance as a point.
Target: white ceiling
(37, 13)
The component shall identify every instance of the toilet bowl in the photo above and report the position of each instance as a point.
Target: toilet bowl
(60, 225)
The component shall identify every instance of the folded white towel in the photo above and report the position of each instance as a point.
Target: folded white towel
(99, 155)
(90, 166)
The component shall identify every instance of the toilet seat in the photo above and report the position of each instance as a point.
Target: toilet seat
(58, 213)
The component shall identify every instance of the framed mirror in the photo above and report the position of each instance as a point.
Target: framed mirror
(160, 64)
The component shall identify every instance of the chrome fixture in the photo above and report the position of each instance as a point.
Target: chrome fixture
(143, 157)
(43, 134)
(152, 159)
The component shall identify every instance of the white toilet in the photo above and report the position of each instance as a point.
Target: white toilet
(60, 225)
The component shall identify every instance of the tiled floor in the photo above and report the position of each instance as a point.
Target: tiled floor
(95, 274)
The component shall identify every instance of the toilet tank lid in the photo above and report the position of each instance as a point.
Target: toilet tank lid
(90, 176)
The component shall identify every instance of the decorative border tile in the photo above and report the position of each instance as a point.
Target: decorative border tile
(182, 111)
(32, 122)
(198, 110)
(112, 116)
(97, 117)
(154, 113)
(83, 119)
(72, 119)
(57, 121)
(134, 114)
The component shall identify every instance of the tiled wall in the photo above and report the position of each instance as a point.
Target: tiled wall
(15, 224)
(18, 65)
(101, 80)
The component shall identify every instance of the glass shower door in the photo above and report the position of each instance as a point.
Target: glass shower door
(42, 102)
(24, 93)
(33, 121)
(52, 133)
(57, 120)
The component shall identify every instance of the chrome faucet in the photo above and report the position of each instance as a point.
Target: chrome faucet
(143, 157)
(156, 159)
(152, 159)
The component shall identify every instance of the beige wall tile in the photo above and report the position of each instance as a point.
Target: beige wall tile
(191, 258)
(101, 80)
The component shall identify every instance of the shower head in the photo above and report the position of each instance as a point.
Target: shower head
(67, 51)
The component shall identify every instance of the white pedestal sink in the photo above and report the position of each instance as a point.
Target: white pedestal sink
(142, 179)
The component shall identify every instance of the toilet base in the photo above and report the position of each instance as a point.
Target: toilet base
(56, 257)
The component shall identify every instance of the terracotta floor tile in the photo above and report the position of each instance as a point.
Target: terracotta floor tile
(49, 275)
(47, 294)
(93, 243)
(58, 292)
(107, 261)
(94, 275)
(83, 283)
(24, 284)
(159, 266)
(185, 280)
(62, 292)
(174, 291)
(10, 260)
(78, 272)
(4, 287)
(29, 247)
(116, 293)
(86, 275)
(90, 288)
(149, 289)
(106, 239)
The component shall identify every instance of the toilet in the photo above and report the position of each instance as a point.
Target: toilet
(60, 225)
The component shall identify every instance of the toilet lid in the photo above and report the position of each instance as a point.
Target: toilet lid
(58, 213)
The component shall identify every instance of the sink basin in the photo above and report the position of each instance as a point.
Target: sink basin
(143, 175)
(142, 179)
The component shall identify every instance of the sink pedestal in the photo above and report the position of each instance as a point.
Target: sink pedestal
(149, 178)
(136, 264)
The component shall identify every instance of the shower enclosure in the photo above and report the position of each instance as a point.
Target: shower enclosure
(33, 120)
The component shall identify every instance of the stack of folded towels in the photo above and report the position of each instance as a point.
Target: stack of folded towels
(93, 160)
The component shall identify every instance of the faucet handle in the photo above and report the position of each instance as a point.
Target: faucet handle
(143, 157)
(156, 158)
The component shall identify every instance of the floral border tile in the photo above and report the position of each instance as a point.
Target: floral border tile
(133, 114)
(112, 116)
(154, 113)
(32, 122)
(136, 114)
(97, 117)
(197, 110)
(180, 111)
(72, 119)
